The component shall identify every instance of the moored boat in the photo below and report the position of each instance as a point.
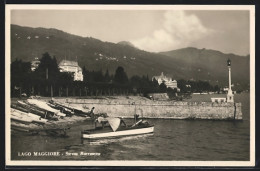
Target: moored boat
(20, 118)
(73, 109)
(37, 119)
(116, 129)
(27, 116)
(30, 108)
(61, 109)
(43, 105)
(26, 107)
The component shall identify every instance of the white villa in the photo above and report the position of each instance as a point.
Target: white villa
(71, 66)
(167, 80)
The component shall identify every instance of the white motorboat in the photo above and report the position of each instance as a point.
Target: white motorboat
(115, 129)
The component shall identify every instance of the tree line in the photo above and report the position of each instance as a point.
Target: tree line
(47, 80)
(190, 86)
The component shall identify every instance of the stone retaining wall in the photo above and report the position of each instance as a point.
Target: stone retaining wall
(162, 109)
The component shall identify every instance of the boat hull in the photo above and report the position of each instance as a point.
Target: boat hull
(112, 134)
(16, 114)
(21, 119)
(43, 105)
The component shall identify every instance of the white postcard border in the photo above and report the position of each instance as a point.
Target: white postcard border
(9, 162)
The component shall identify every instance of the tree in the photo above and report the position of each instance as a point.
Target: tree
(20, 71)
(171, 92)
(20, 77)
(47, 76)
(216, 88)
(107, 77)
(84, 73)
(98, 76)
(182, 85)
(162, 87)
(48, 68)
(120, 76)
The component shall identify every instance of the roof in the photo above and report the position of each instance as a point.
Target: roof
(68, 63)
(162, 76)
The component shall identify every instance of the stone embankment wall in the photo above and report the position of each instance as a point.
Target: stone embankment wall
(161, 109)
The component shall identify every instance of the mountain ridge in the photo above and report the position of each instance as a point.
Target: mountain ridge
(127, 43)
(212, 50)
(94, 54)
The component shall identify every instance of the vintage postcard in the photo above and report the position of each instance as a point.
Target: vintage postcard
(130, 85)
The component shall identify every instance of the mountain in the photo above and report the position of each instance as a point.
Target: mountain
(126, 43)
(210, 63)
(94, 54)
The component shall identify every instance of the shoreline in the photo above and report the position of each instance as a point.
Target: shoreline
(127, 106)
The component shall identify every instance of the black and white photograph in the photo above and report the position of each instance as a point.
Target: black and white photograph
(130, 85)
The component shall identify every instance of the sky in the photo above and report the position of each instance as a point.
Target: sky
(150, 30)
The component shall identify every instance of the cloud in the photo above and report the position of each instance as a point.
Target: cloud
(177, 31)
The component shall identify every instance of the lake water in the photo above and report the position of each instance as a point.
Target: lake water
(185, 140)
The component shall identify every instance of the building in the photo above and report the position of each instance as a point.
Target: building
(218, 99)
(167, 81)
(35, 63)
(72, 67)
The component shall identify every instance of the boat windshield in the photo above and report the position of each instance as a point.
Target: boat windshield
(114, 123)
